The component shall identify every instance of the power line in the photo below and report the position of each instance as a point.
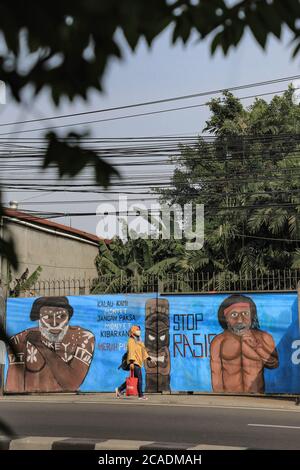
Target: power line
(128, 116)
(158, 180)
(165, 100)
(172, 155)
(143, 181)
(143, 142)
(142, 195)
(54, 215)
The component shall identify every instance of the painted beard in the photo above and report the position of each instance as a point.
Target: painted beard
(239, 329)
(53, 338)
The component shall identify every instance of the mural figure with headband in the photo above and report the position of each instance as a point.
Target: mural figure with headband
(52, 356)
(137, 354)
(239, 355)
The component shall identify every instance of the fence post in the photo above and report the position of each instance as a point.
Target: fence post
(160, 285)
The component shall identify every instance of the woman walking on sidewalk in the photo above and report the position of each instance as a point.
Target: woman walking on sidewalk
(136, 356)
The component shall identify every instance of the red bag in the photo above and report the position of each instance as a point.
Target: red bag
(131, 385)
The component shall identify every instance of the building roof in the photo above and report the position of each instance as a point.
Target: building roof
(59, 228)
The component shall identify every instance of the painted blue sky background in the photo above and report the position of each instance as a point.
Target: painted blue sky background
(277, 313)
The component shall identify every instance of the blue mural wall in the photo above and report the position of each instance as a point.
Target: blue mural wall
(182, 329)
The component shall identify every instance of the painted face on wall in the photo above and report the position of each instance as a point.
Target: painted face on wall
(238, 318)
(53, 323)
(157, 339)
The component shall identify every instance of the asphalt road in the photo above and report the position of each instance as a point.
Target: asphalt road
(250, 428)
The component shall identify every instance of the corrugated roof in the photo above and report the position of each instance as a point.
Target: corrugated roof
(39, 221)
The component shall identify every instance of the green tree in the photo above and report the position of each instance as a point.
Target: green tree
(135, 265)
(24, 283)
(248, 178)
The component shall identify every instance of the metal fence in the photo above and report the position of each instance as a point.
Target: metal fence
(257, 281)
(48, 288)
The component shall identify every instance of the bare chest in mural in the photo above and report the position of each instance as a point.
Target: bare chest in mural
(231, 349)
(237, 348)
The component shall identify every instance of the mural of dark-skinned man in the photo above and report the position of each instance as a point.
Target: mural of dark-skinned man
(52, 357)
(240, 354)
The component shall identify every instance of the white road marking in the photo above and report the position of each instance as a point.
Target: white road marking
(274, 426)
(214, 447)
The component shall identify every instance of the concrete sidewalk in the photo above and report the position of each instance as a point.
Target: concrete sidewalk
(195, 400)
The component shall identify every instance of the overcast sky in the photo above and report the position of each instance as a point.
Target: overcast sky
(149, 74)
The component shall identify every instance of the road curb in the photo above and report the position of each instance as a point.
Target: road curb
(64, 443)
(238, 402)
